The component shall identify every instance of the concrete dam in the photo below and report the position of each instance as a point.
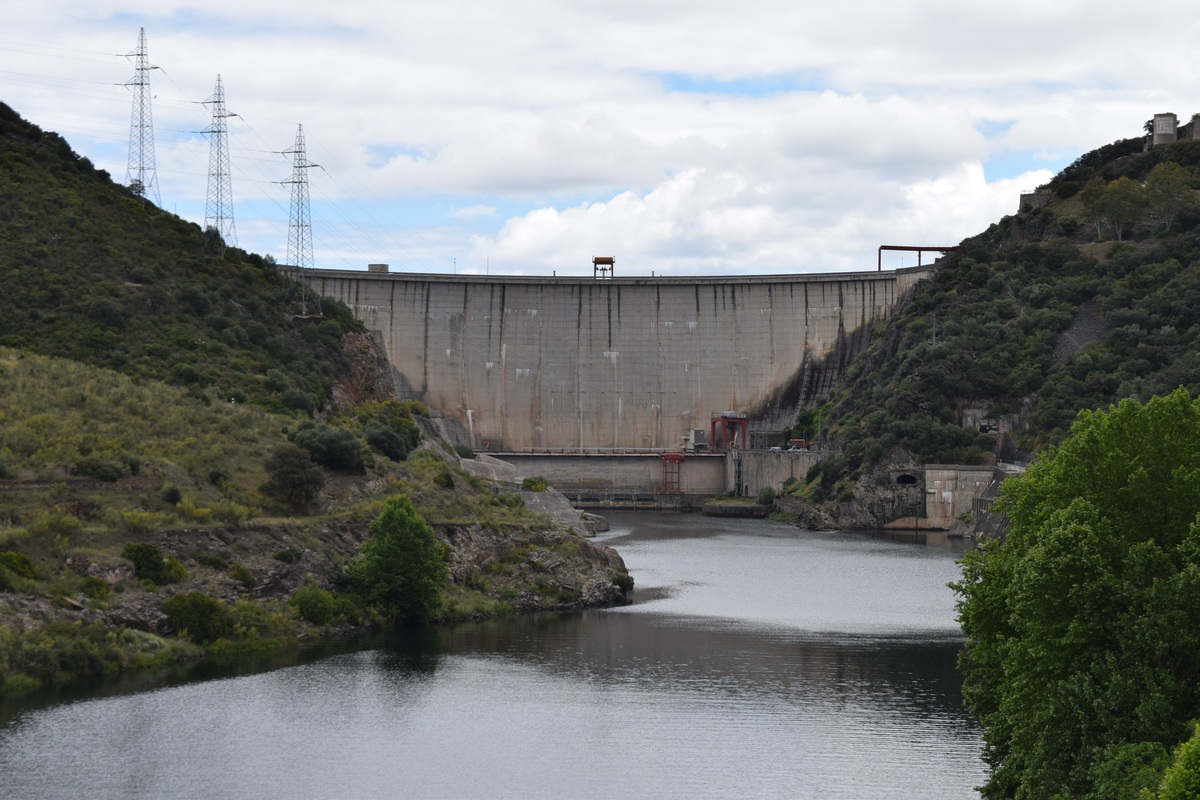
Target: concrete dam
(527, 364)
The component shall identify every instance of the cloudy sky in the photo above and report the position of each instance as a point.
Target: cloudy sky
(526, 136)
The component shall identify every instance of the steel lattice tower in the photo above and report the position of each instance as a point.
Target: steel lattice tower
(218, 212)
(141, 176)
(300, 247)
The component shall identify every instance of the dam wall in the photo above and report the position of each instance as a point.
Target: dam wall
(525, 363)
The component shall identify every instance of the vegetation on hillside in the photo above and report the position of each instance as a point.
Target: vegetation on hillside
(175, 478)
(95, 274)
(1093, 298)
(1083, 652)
(140, 525)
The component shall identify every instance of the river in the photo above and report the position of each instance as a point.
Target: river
(757, 660)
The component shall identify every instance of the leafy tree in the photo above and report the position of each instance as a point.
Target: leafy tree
(1168, 191)
(1083, 651)
(293, 476)
(1092, 198)
(1182, 779)
(1124, 205)
(402, 565)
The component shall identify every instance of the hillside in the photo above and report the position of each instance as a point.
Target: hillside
(94, 274)
(190, 464)
(1042, 315)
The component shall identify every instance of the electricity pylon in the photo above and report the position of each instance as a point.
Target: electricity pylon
(141, 176)
(300, 247)
(218, 211)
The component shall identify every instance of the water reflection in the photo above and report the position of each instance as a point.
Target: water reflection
(757, 661)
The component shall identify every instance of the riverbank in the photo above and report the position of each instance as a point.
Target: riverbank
(93, 609)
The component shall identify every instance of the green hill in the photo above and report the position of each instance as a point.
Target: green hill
(189, 462)
(1042, 315)
(95, 274)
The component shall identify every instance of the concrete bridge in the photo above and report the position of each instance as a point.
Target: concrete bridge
(518, 364)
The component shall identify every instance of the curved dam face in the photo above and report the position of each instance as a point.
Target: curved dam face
(521, 363)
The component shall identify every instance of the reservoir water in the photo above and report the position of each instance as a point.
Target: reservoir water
(757, 660)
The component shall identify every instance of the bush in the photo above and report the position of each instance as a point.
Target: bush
(535, 483)
(464, 451)
(18, 564)
(149, 564)
(336, 448)
(510, 499)
(243, 575)
(313, 604)
(387, 441)
(766, 497)
(96, 588)
(290, 555)
(98, 469)
(204, 619)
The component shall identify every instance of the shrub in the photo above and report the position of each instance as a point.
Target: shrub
(96, 588)
(766, 497)
(535, 483)
(336, 448)
(510, 499)
(464, 451)
(299, 401)
(387, 441)
(18, 564)
(290, 555)
(314, 604)
(171, 493)
(98, 469)
(149, 564)
(212, 561)
(243, 575)
(203, 618)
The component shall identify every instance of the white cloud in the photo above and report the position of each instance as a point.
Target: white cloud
(542, 132)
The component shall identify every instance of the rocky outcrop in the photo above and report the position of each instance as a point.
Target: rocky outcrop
(535, 570)
(368, 378)
(892, 489)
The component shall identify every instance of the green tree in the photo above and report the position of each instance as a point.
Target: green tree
(1168, 191)
(1083, 652)
(1092, 199)
(293, 476)
(1124, 204)
(402, 566)
(1182, 779)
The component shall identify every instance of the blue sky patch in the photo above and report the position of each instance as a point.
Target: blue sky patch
(751, 86)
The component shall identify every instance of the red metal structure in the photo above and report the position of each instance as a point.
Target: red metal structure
(907, 248)
(734, 428)
(604, 266)
(672, 473)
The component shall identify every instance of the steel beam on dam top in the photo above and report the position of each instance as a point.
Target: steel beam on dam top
(516, 363)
